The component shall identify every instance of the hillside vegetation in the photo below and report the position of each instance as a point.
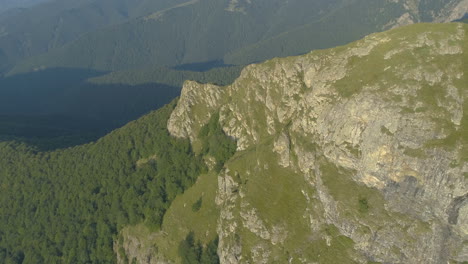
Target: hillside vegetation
(54, 23)
(67, 206)
(355, 154)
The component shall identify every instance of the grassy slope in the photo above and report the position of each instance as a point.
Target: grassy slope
(279, 196)
(276, 192)
(429, 96)
(180, 219)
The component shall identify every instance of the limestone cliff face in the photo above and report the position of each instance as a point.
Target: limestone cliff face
(422, 11)
(357, 152)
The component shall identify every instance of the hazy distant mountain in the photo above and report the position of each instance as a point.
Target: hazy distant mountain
(39, 29)
(236, 32)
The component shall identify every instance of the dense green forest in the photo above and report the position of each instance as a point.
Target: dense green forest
(67, 206)
(193, 252)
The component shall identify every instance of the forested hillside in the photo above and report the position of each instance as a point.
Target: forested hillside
(67, 206)
(50, 25)
(236, 32)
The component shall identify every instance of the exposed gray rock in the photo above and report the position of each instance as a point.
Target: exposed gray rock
(385, 111)
(197, 103)
(282, 147)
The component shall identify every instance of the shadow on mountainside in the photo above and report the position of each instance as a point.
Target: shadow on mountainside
(202, 66)
(58, 108)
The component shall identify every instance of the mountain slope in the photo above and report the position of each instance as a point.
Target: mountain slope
(352, 21)
(238, 32)
(67, 206)
(50, 25)
(355, 154)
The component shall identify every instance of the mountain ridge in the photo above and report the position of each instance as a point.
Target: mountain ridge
(368, 142)
(354, 154)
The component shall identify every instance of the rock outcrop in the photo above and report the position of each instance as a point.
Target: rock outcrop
(357, 152)
(416, 11)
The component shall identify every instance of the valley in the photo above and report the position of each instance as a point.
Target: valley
(256, 131)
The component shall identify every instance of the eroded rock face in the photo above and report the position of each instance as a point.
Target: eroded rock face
(368, 139)
(416, 11)
(202, 98)
(132, 249)
(453, 10)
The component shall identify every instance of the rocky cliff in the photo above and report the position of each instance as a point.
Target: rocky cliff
(421, 11)
(356, 154)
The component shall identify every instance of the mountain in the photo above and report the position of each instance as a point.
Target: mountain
(32, 31)
(138, 53)
(355, 154)
(236, 32)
